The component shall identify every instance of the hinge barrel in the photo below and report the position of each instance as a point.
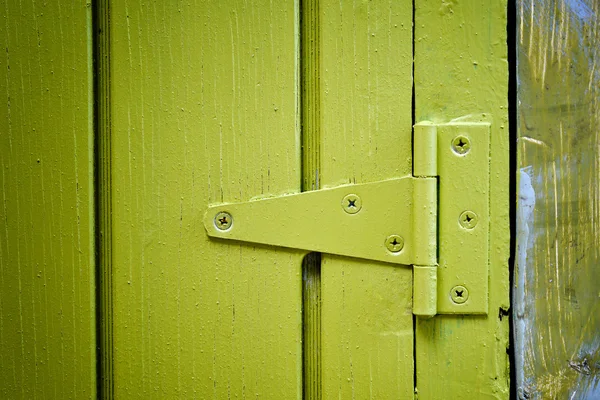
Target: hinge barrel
(425, 221)
(425, 290)
(425, 209)
(425, 150)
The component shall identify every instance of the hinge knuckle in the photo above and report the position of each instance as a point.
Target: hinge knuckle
(425, 290)
(425, 150)
(425, 225)
(425, 221)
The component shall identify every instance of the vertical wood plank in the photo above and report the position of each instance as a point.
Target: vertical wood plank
(557, 319)
(47, 310)
(204, 110)
(366, 98)
(461, 72)
(310, 112)
(104, 197)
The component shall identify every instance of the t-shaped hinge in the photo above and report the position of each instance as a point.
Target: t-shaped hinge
(436, 219)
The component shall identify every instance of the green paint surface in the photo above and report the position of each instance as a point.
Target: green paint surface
(366, 86)
(201, 104)
(47, 326)
(461, 73)
(204, 110)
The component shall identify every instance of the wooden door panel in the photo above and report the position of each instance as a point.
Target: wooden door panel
(204, 110)
(366, 98)
(226, 101)
(461, 72)
(47, 252)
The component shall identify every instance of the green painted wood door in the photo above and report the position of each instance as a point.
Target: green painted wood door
(461, 73)
(204, 110)
(215, 103)
(210, 103)
(47, 244)
(205, 102)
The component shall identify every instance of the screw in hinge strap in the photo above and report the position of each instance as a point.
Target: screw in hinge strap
(223, 220)
(351, 203)
(461, 145)
(468, 219)
(394, 243)
(459, 294)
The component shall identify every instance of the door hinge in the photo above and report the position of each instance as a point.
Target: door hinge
(436, 219)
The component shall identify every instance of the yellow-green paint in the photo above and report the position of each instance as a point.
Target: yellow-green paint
(200, 104)
(207, 113)
(316, 220)
(425, 149)
(461, 71)
(366, 96)
(425, 220)
(557, 301)
(310, 92)
(311, 327)
(464, 186)
(405, 208)
(204, 110)
(425, 283)
(310, 133)
(104, 199)
(47, 325)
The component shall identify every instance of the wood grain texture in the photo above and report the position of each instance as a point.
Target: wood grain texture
(366, 87)
(557, 319)
(104, 198)
(461, 72)
(47, 327)
(310, 115)
(204, 110)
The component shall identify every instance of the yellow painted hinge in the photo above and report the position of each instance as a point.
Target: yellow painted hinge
(435, 219)
(425, 270)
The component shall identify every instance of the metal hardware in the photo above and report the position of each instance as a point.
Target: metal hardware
(223, 220)
(468, 219)
(425, 295)
(459, 294)
(461, 145)
(464, 185)
(351, 204)
(401, 213)
(394, 243)
(314, 221)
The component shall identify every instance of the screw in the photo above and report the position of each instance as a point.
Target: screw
(461, 145)
(459, 294)
(223, 220)
(351, 203)
(468, 219)
(394, 243)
